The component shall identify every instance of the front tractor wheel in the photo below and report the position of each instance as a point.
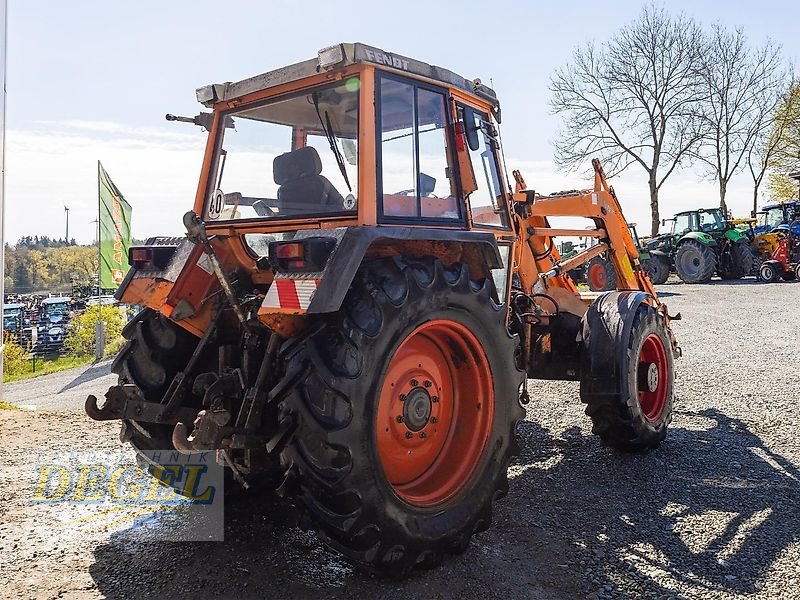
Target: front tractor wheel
(628, 377)
(600, 275)
(770, 271)
(402, 410)
(695, 262)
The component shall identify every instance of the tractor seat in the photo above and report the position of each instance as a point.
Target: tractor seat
(298, 175)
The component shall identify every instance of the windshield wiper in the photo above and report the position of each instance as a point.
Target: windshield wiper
(327, 129)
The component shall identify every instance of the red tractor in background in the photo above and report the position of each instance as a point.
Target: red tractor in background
(785, 261)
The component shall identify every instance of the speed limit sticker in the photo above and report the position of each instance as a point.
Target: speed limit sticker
(215, 205)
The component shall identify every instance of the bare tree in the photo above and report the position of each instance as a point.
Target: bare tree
(633, 100)
(742, 85)
(774, 133)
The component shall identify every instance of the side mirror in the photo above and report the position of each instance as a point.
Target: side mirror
(663, 222)
(470, 130)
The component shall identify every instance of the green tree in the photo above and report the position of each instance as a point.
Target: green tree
(786, 157)
(15, 357)
(80, 339)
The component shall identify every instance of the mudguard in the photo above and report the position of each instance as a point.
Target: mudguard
(735, 236)
(607, 327)
(349, 254)
(701, 237)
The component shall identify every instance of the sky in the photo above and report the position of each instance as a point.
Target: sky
(91, 81)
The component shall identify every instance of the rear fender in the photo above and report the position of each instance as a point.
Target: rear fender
(736, 236)
(181, 289)
(324, 292)
(699, 236)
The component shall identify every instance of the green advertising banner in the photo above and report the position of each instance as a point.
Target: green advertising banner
(115, 231)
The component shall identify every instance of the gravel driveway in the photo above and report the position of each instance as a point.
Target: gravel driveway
(713, 513)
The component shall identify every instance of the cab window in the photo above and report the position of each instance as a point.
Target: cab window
(682, 224)
(486, 202)
(415, 176)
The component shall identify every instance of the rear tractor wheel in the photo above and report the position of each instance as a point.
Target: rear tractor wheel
(739, 261)
(601, 275)
(402, 412)
(155, 351)
(657, 269)
(695, 262)
(628, 377)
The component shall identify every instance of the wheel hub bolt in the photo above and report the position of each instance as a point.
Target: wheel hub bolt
(402, 397)
(428, 383)
(422, 434)
(414, 383)
(434, 420)
(400, 418)
(435, 399)
(409, 434)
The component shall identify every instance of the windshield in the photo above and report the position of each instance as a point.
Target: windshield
(56, 309)
(774, 216)
(292, 157)
(711, 220)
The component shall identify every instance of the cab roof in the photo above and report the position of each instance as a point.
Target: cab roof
(336, 57)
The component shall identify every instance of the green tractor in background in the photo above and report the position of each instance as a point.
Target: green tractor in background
(703, 243)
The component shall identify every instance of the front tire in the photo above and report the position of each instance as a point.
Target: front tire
(695, 262)
(633, 413)
(770, 271)
(403, 409)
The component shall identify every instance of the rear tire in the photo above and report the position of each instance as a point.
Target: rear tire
(739, 261)
(657, 269)
(412, 340)
(155, 351)
(695, 262)
(636, 416)
(601, 275)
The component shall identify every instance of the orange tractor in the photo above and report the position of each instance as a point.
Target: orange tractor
(360, 297)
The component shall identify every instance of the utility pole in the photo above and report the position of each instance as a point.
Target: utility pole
(3, 48)
(66, 233)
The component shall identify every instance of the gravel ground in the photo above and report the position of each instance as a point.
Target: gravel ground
(713, 513)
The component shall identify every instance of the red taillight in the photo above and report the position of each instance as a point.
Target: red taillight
(289, 251)
(142, 255)
(308, 255)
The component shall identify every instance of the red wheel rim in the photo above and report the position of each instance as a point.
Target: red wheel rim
(653, 377)
(597, 276)
(435, 412)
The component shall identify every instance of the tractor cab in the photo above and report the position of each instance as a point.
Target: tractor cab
(774, 216)
(300, 146)
(707, 220)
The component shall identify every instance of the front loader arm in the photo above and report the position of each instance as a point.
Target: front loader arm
(599, 204)
(539, 266)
